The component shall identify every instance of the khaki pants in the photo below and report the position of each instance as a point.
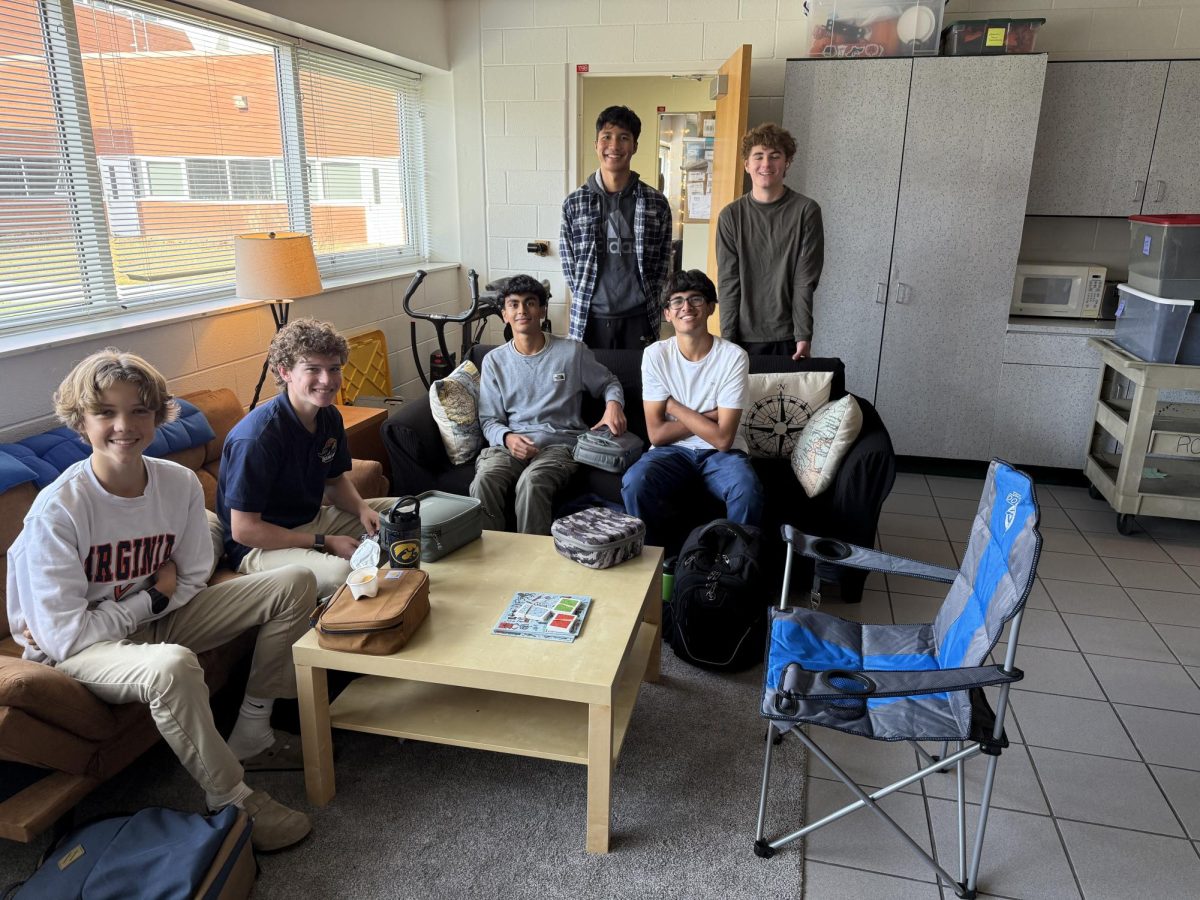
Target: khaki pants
(532, 483)
(330, 570)
(157, 664)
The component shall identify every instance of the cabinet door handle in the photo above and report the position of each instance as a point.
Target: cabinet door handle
(1139, 190)
(881, 292)
(902, 293)
(1161, 194)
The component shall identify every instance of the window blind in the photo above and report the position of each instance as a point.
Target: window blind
(48, 233)
(136, 141)
(362, 138)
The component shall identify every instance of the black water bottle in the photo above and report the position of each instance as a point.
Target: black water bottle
(401, 529)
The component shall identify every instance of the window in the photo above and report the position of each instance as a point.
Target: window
(250, 179)
(135, 142)
(31, 176)
(164, 178)
(340, 181)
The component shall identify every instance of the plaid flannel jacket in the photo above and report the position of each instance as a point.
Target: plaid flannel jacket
(581, 222)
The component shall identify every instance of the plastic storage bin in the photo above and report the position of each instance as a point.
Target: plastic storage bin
(1150, 327)
(1189, 349)
(868, 28)
(1164, 255)
(978, 37)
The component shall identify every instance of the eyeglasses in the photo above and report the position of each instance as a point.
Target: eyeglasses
(527, 303)
(695, 301)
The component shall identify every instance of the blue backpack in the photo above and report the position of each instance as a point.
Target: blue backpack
(157, 852)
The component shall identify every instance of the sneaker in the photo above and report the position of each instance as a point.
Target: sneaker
(284, 755)
(275, 826)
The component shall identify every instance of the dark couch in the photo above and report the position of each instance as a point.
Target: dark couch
(849, 509)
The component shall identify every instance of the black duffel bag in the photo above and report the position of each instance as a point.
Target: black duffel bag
(717, 617)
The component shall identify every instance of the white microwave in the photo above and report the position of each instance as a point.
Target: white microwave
(1065, 290)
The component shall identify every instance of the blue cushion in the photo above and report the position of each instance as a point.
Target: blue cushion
(191, 429)
(51, 453)
(13, 472)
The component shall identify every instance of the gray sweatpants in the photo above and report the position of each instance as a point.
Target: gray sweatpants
(532, 483)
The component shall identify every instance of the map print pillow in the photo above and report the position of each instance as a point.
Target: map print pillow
(823, 444)
(454, 401)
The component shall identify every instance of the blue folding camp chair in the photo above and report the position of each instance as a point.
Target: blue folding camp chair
(909, 682)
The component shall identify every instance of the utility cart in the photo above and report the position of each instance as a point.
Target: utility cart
(1144, 455)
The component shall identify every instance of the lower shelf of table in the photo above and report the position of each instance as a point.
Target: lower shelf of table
(489, 720)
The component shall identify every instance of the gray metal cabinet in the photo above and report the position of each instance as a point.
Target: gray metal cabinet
(943, 197)
(1173, 186)
(1095, 138)
(848, 120)
(1117, 139)
(1044, 407)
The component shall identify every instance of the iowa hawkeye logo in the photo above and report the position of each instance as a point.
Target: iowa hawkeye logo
(405, 553)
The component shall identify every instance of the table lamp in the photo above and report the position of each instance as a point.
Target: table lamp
(276, 267)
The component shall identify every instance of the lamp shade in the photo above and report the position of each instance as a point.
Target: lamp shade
(275, 265)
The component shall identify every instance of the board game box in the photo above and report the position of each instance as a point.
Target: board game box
(547, 617)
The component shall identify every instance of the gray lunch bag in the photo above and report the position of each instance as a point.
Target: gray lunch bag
(600, 448)
(448, 521)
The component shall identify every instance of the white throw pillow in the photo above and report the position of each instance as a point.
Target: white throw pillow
(454, 401)
(823, 444)
(779, 405)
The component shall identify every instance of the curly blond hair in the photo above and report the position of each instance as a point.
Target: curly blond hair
(82, 391)
(304, 339)
(772, 137)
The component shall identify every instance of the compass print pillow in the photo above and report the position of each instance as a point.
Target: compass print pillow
(779, 406)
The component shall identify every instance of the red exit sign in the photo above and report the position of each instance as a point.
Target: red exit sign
(580, 68)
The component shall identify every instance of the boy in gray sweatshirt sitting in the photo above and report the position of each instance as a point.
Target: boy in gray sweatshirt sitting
(530, 405)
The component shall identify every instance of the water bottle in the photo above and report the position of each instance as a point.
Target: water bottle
(401, 532)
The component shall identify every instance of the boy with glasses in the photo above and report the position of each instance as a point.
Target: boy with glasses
(530, 408)
(694, 388)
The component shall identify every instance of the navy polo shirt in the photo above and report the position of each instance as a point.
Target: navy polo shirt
(272, 465)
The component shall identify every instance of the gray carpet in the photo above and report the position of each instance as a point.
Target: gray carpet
(421, 820)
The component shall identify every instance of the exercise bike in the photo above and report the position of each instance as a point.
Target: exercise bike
(442, 361)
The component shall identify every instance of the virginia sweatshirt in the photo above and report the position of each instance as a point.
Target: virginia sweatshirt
(79, 571)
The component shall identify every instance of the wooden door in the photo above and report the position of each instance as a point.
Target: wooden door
(733, 120)
(1173, 186)
(972, 124)
(847, 116)
(1095, 136)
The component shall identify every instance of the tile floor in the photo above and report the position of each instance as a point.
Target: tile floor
(1099, 794)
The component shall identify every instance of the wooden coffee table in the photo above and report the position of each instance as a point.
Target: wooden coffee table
(457, 683)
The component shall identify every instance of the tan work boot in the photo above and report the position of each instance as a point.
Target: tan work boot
(275, 826)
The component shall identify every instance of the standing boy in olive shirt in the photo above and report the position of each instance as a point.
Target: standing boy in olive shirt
(770, 250)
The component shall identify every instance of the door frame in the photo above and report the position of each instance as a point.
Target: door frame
(609, 70)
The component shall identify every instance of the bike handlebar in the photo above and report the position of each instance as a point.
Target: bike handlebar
(439, 318)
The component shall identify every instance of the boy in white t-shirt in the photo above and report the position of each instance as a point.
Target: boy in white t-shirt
(694, 388)
(106, 582)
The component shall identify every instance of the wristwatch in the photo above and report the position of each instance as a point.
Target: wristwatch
(319, 543)
(158, 600)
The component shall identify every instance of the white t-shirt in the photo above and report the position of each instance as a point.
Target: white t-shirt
(720, 379)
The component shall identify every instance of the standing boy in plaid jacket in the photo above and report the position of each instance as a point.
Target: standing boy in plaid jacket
(615, 243)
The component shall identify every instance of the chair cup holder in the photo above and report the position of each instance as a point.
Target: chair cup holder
(855, 687)
(830, 550)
